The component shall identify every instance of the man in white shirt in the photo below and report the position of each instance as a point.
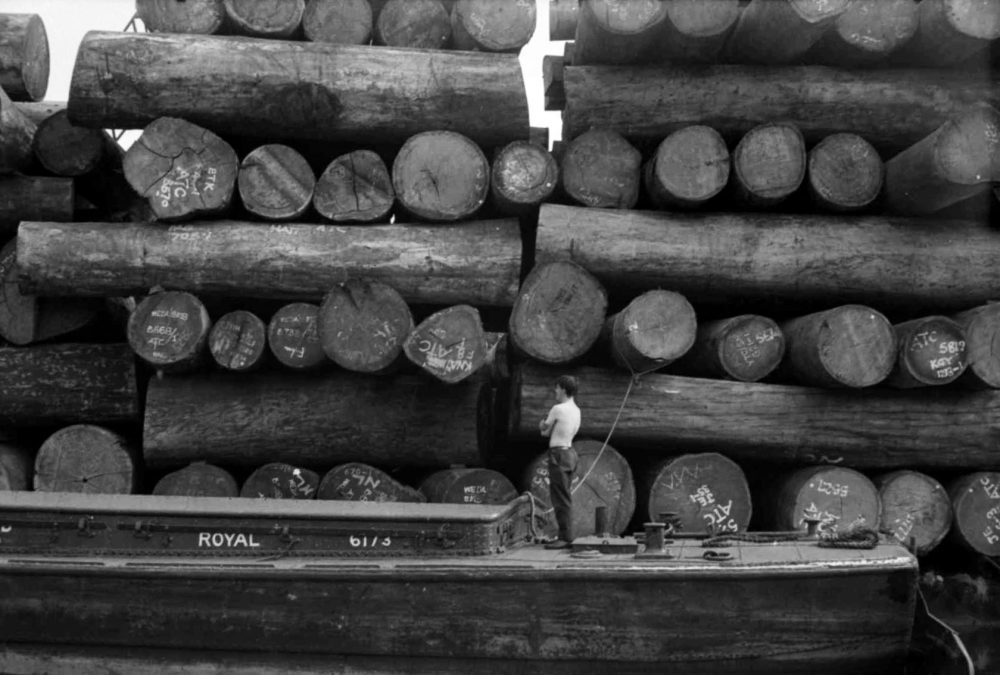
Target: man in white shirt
(560, 426)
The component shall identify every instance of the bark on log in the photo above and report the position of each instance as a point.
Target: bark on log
(276, 182)
(600, 479)
(559, 313)
(869, 428)
(357, 482)
(24, 57)
(182, 16)
(66, 149)
(181, 169)
(237, 341)
(847, 346)
(975, 499)
(951, 31)
(959, 160)
(867, 33)
(769, 163)
(293, 336)
(616, 32)
(198, 479)
(16, 467)
(654, 330)
(406, 420)
(67, 383)
(982, 345)
(283, 90)
(16, 135)
(169, 331)
(890, 108)
(601, 169)
(281, 481)
(781, 31)
(276, 19)
(355, 188)
(422, 24)
(931, 352)
(344, 22)
(916, 509)
(39, 111)
(468, 486)
(845, 173)
(836, 496)
(34, 198)
(760, 258)
(696, 31)
(476, 263)
(86, 458)
(364, 325)
(523, 175)
(746, 348)
(449, 344)
(708, 492)
(563, 18)
(441, 176)
(690, 167)
(490, 26)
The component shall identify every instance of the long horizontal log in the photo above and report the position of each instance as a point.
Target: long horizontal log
(889, 108)
(872, 428)
(877, 261)
(477, 263)
(287, 90)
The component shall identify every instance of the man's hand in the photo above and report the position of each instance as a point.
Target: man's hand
(545, 427)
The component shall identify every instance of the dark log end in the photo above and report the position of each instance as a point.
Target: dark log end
(359, 482)
(492, 26)
(363, 326)
(449, 344)
(198, 479)
(169, 330)
(293, 336)
(355, 187)
(237, 341)
(280, 481)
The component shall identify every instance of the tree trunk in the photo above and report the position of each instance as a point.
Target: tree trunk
(237, 341)
(872, 428)
(746, 348)
(293, 336)
(950, 32)
(282, 90)
(654, 330)
(344, 22)
(449, 344)
(281, 481)
(490, 26)
(916, 509)
(422, 24)
(476, 263)
(563, 19)
(601, 478)
(845, 173)
(955, 162)
(769, 163)
(707, 491)
(468, 486)
(836, 496)
(182, 16)
(277, 19)
(975, 499)
(981, 326)
(357, 482)
(799, 23)
(67, 383)
(169, 331)
(276, 183)
(198, 479)
(932, 352)
(867, 33)
(523, 175)
(16, 135)
(616, 32)
(847, 346)
(559, 313)
(17, 466)
(441, 175)
(696, 31)
(24, 57)
(798, 259)
(86, 458)
(690, 167)
(364, 325)
(355, 188)
(601, 169)
(406, 420)
(34, 198)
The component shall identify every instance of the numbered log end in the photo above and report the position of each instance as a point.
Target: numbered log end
(707, 491)
(86, 458)
(355, 188)
(559, 312)
(182, 169)
(655, 329)
(363, 326)
(982, 349)
(441, 176)
(169, 331)
(837, 497)
(279, 480)
(24, 57)
(932, 352)
(449, 344)
(690, 167)
(237, 341)
(845, 173)
(769, 163)
(422, 24)
(490, 26)
(601, 169)
(745, 348)
(182, 16)
(276, 19)
(345, 22)
(66, 149)
(975, 499)
(916, 509)
(357, 482)
(198, 479)
(468, 486)
(276, 182)
(293, 336)
(523, 176)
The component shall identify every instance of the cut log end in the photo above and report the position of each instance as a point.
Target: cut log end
(468, 486)
(770, 163)
(745, 348)
(86, 458)
(68, 150)
(346, 22)
(916, 509)
(202, 17)
(707, 491)
(276, 182)
(523, 176)
(355, 187)
(601, 169)
(169, 331)
(845, 172)
(279, 19)
(293, 336)
(932, 352)
(279, 480)
(690, 167)
(237, 341)
(449, 344)
(982, 334)
(654, 330)
(837, 497)
(198, 479)
(357, 482)
(423, 24)
(363, 326)
(968, 148)
(487, 25)
(975, 499)
(441, 175)
(870, 30)
(24, 67)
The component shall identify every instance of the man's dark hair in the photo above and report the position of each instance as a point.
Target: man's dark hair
(568, 384)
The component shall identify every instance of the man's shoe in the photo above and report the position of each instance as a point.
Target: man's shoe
(557, 544)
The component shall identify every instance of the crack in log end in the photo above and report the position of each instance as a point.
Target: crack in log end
(306, 107)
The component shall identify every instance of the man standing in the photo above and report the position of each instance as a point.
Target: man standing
(560, 427)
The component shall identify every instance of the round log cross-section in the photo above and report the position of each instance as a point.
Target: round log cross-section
(932, 351)
(975, 499)
(281, 481)
(293, 336)
(769, 163)
(355, 188)
(238, 340)
(86, 458)
(182, 16)
(441, 175)
(690, 167)
(982, 345)
(491, 26)
(468, 486)
(198, 479)
(654, 330)
(745, 348)
(523, 176)
(837, 497)
(357, 482)
(345, 22)
(916, 509)
(364, 325)
(449, 344)
(169, 331)
(276, 19)
(845, 173)
(601, 169)
(423, 24)
(276, 182)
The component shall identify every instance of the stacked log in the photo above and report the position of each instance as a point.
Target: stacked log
(16, 467)
(836, 498)
(976, 500)
(237, 341)
(169, 331)
(745, 348)
(364, 326)
(24, 57)
(468, 486)
(916, 509)
(360, 482)
(198, 479)
(86, 458)
(279, 480)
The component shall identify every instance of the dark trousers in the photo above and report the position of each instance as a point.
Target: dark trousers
(562, 463)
